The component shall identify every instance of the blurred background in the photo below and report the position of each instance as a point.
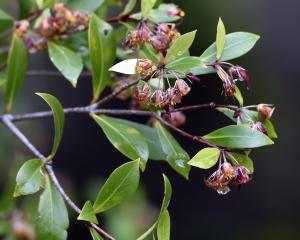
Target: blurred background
(267, 208)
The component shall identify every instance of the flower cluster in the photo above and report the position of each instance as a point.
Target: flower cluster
(60, 24)
(227, 174)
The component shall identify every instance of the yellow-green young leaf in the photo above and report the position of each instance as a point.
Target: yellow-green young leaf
(6, 21)
(206, 158)
(238, 137)
(147, 6)
(184, 64)
(17, 64)
(125, 138)
(129, 7)
(102, 51)
(126, 67)
(177, 157)
(59, 119)
(66, 61)
(29, 178)
(119, 186)
(87, 213)
(95, 235)
(53, 220)
(180, 46)
(238, 96)
(240, 159)
(164, 226)
(221, 33)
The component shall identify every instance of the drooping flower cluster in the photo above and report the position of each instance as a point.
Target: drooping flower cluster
(60, 24)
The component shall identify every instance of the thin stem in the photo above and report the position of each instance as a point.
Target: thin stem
(203, 106)
(7, 120)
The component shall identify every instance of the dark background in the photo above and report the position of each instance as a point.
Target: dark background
(267, 208)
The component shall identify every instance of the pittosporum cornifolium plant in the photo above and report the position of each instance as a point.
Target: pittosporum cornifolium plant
(142, 57)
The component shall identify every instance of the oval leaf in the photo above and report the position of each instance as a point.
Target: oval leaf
(129, 7)
(102, 51)
(59, 119)
(177, 157)
(6, 21)
(95, 235)
(238, 137)
(180, 46)
(66, 61)
(87, 6)
(185, 64)
(220, 42)
(163, 226)
(29, 178)
(17, 64)
(146, 6)
(125, 138)
(87, 213)
(120, 185)
(126, 67)
(53, 220)
(239, 159)
(206, 158)
(167, 194)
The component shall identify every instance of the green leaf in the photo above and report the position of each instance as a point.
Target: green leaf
(66, 61)
(167, 194)
(176, 156)
(29, 178)
(95, 235)
(53, 220)
(17, 64)
(236, 44)
(129, 7)
(238, 96)
(149, 53)
(126, 139)
(120, 185)
(147, 6)
(220, 42)
(184, 64)
(241, 160)
(163, 226)
(180, 46)
(206, 158)
(102, 49)
(126, 67)
(42, 4)
(59, 119)
(6, 21)
(87, 6)
(87, 213)
(150, 136)
(238, 137)
(270, 128)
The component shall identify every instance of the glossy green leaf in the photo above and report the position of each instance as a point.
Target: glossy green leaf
(206, 158)
(87, 6)
(6, 21)
(120, 185)
(184, 64)
(102, 49)
(220, 40)
(149, 53)
(17, 64)
(150, 136)
(180, 46)
(238, 96)
(95, 235)
(238, 137)
(146, 6)
(129, 7)
(167, 194)
(29, 178)
(53, 220)
(270, 128)
(177, 157)
(59, 119)
(66, 61)
(87, 213)
(236, 45)
(125, 138)
(126, 67)
(164, 226)
(239, 159)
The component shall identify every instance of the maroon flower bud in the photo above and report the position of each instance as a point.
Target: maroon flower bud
(241, 74)
(160, 99)
(142, 91)
(132, 39)
(174, 96)
(160, 42)
(182, 87)
(241, 175)
(237, 113)
(265, 111)
(144, 67)
(176, 12)
(193, 78)
(228, 84)
(163, 28)
(143, 34)
(177, 119)
(259, 127)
